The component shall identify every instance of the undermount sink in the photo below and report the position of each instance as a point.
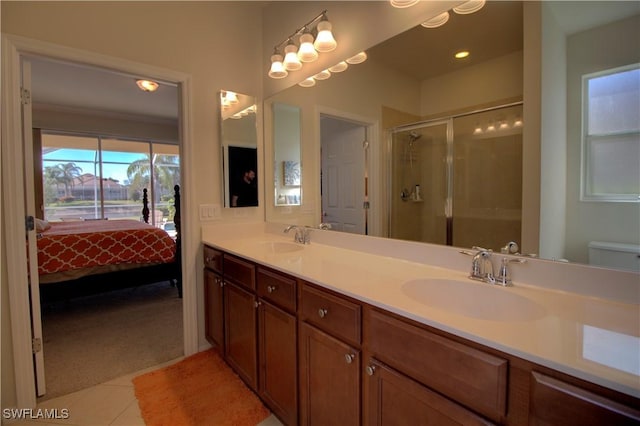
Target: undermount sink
(280, 246)
(473, 299)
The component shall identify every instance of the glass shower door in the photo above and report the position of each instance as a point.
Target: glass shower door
(419, 190)
(487, 180)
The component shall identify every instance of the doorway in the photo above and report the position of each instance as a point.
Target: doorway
(344, 174)
(14, 196)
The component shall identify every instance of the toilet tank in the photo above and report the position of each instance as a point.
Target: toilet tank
(615, 255)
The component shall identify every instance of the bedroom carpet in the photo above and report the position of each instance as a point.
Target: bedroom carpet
(199, 390)
(91, 340)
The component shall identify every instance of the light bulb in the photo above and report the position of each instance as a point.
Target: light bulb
(357, 59)
(322, 75)
(469, 7)
(324, 40)
(436, 21)
(291, 61)
(339, 67)
(307, 82)
(147, 85)
(401, 4)
(277, 68)
(306, 52)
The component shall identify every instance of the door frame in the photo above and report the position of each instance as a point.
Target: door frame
(13, 48)
(373, 165)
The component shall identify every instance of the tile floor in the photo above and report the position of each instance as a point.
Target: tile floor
(109, 404)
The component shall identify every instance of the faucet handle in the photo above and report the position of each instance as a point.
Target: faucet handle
(504, 276)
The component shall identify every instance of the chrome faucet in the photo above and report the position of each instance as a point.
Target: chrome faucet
(302, 234)
(504, 276)
(481, 265)
(324, 226)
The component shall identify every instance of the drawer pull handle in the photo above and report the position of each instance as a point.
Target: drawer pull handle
(370, 370)
(349, 358)
(322, 313)
(271, 288)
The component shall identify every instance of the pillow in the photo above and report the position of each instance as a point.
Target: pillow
(42, 225)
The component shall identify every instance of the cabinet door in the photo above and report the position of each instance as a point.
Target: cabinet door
(393, 399)
(278, 363)
(213, 309)
(240, 345)
(329, 379)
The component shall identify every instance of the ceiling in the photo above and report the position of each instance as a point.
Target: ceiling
(493, 31)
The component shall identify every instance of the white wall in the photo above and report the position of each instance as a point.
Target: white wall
(216, 43)
(590, 51)
(553, 184)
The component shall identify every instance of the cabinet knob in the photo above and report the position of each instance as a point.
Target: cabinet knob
(370, 370)
(271, 288)
(349, 358)
(208, 259)
(322, 313)
(222, 283)
(257, 303)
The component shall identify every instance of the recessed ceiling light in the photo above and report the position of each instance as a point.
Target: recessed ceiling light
(147, 85)
(462, 54)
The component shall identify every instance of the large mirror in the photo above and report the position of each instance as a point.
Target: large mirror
(410, 80)
(287, 171)
(239, 149)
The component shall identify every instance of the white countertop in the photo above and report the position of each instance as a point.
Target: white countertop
(592, 338)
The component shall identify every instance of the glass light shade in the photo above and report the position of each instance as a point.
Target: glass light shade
(357, 59)
(324, 40)
(401, 4)
(436, 21)
(147, 85)
(469, 7)
(277, 68)
(322, 75)
(308, 82)
(307, 53)
(339, 67)
(291, 61)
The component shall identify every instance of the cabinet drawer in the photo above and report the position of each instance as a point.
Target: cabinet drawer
(240, 271)
(277, 288)
(212, 259)
(556, 402)
(332, 314)
(474, 378)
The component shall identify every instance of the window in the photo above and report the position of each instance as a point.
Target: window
(89, 177)
(611, 135)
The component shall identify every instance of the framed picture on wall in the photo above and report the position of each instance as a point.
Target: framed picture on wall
(291, 173)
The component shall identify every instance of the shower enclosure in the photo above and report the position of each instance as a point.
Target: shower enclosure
(458, 180)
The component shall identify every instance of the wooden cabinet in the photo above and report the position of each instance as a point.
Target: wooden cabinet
(329, 379)
(278, 334)
(555, 402)
(393, 399)
(214, 309)
(330, 358)
(240, 344)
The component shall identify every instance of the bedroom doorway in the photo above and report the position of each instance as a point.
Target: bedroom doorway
(52, 113)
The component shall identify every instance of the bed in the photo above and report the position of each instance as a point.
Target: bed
(78, 258)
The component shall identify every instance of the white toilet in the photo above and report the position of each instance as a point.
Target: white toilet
(615, 255)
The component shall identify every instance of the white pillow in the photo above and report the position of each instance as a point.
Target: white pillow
(42, 225)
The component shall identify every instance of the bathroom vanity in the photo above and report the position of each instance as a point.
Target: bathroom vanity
(326, 331)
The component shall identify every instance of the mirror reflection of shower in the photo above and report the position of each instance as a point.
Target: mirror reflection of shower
(458, 180)
(409, 155)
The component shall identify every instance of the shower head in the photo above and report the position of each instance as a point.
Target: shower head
(414, 136)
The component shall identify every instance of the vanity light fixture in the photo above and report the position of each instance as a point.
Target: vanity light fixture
(436, 21)
(461, 54)
(469, 7)
(308, 82)
(147, 85)
(357, 58)
(339, 67)
(401, 4)
(308, 50)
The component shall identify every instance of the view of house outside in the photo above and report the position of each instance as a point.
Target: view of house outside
(89, 177)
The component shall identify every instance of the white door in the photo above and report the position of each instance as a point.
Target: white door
(30, 209)
(343, 174)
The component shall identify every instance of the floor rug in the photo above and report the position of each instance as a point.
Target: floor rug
(199, 390)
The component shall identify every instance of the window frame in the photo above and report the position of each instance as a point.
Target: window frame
(586, 193)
